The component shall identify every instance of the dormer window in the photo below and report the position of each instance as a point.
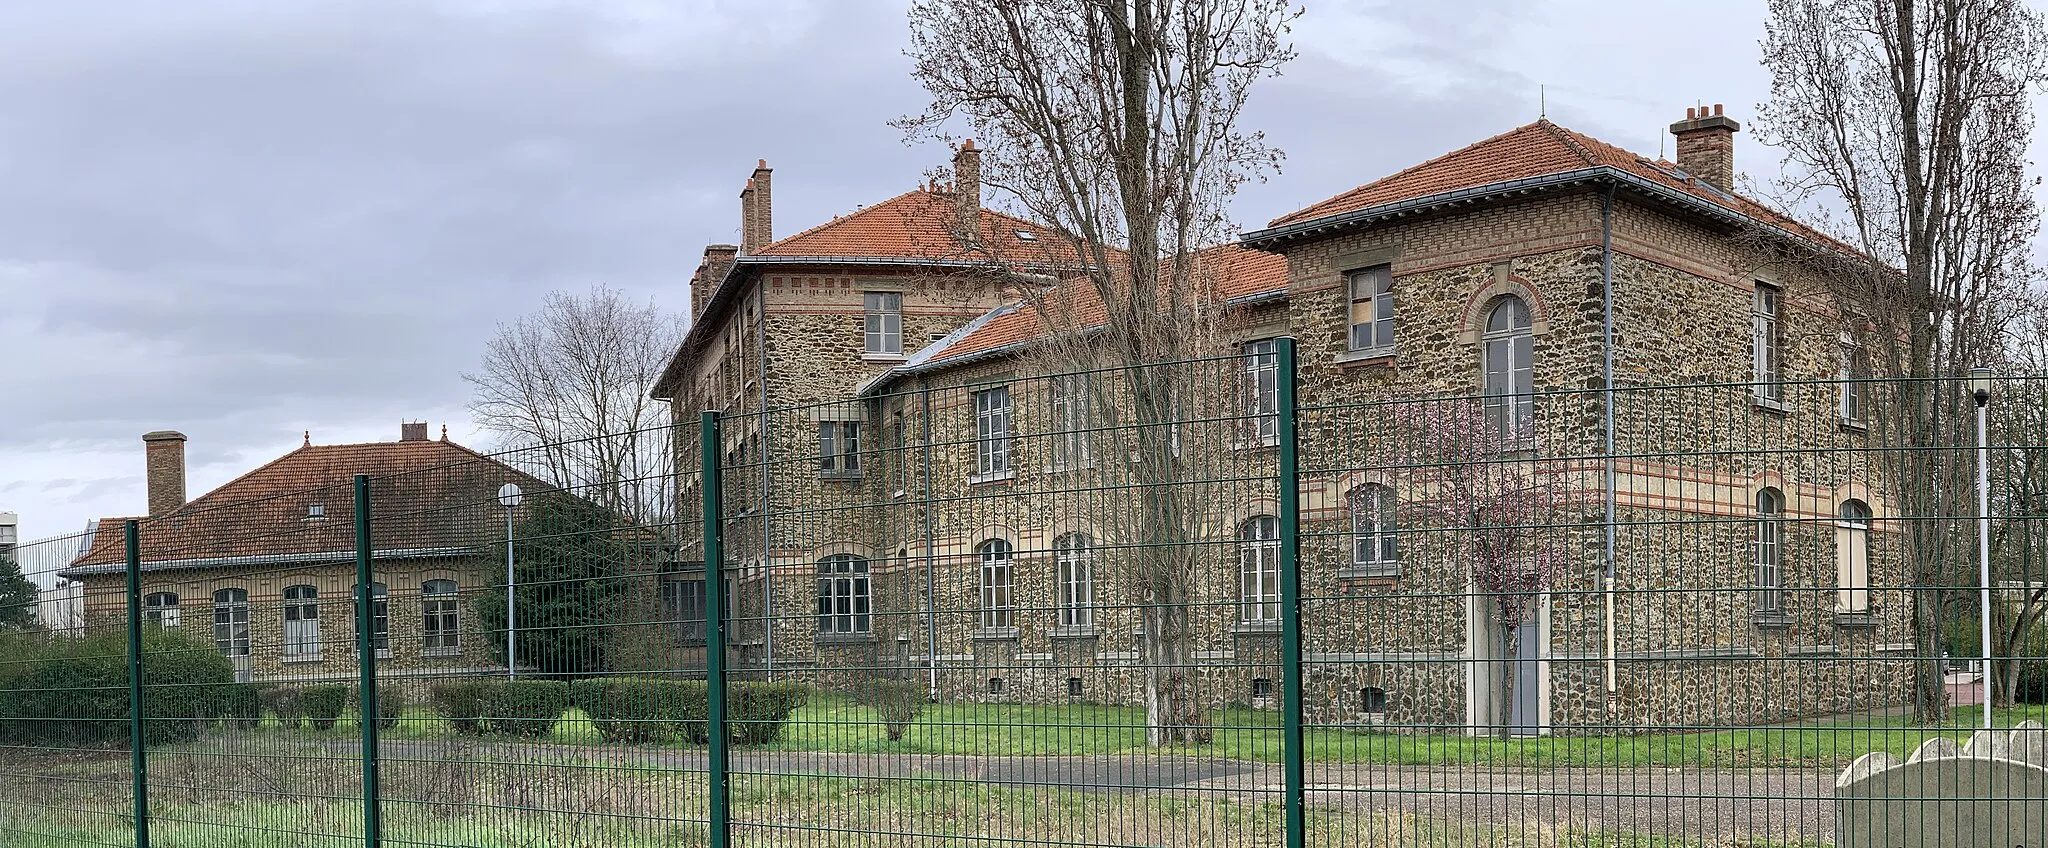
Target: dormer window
(316, 512)
(1023, 235)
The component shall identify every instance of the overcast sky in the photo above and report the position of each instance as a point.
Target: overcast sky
(243, 220)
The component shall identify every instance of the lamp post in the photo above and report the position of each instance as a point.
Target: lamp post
(1980, 391)
(509, 497)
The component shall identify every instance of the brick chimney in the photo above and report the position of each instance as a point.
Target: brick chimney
(757, 210)
(717, 258)
(164, 460)
(412, 431)
(967, 189)
(1706, 145)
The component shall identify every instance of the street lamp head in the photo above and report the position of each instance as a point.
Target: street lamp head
(509, 496)
(1980, 385)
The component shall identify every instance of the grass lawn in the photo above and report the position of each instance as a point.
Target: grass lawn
(828, 723)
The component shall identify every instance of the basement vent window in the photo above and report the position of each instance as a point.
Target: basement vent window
(1262, 687)
(1073, 687)
(1372, 699)
(995, 686)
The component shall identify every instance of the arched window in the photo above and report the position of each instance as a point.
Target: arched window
(441, 617)
(380, 617)
(161, 609)
(843, 594)
(1073, 558)
(1372, 527)
(1852, 557)
(1258, 568)
(1508, 353)
(301, 621)
(997, 610)
(1770, 513)
(231, 622)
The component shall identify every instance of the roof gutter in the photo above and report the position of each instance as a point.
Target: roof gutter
(314, 558)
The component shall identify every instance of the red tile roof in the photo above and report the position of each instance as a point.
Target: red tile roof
(1240, 272)
(919, 224)
(423, 495)
(1537, 150)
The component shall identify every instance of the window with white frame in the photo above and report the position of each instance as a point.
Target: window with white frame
(1074, 560)
(992, 431)
(1262, 392)
(839, 447)
(884, 318)
(380, 617)
(1372, 527)
(441, 617)
(1767, 344)
(161, 609)
(1372, 309)
(1258, 568)
(997, 608)
(231, 622)
(301, 621)
(1508, 354)
(1072, 419)
(843, 595)
(1852, 558)
(1770, 514)
(1855, 373)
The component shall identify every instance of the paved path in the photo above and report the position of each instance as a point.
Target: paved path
(1709, 805)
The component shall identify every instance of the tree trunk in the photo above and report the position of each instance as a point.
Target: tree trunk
(1505, 690)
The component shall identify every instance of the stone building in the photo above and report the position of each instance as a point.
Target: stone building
(264, 565)
(1729, 558)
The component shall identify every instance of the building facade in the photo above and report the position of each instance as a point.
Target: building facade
(1726, 543)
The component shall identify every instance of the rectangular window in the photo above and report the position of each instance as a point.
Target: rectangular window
(992, 431)
(884, 316)
(1262, 392)
(685, 603)
(1072, 418)
(1372, 309)
(1768, 344)
(440, 625)
(839, 447)
(301, 621)
(1855, 370)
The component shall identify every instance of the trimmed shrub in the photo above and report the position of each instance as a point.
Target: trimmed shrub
(759, 710)
(629, 710)
(75, 691)
(324, 704)
(526, 708)
(460, 702)
(239, 705)
(390, 704)
(284, 703)
(897, 701)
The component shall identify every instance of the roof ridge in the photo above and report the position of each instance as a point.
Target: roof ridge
(835, 220)
(1573, 140)
(1434, 160)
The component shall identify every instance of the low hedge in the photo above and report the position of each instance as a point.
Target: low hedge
(628, 710)
(74, 691)
(324, 704)
(390, 705)
(759, 711)
(460, 703)
(239, 705)
(285, 704)
(527, 708)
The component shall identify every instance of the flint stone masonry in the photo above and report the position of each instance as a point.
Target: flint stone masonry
(1992, 792)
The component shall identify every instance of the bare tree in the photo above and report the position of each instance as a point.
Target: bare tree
(1115, 123)
(2019, 474)
(1910, 119)
(570, 383)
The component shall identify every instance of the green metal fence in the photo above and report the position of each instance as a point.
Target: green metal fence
(1185, 603)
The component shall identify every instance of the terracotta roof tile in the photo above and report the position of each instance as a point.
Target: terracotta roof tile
(1536, 150)
(1241, 272)
(919, 224)
(423, 494)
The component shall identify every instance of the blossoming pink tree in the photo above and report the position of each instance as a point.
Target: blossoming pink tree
(1478, 475)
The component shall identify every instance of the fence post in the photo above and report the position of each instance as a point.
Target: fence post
(366, 663)
(138, 740)
(1290, 598)
(714, 630)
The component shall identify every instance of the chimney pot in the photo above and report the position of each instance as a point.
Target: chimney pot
(1717, 108)
(757, 210)
(163, 453)
(967, 191)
